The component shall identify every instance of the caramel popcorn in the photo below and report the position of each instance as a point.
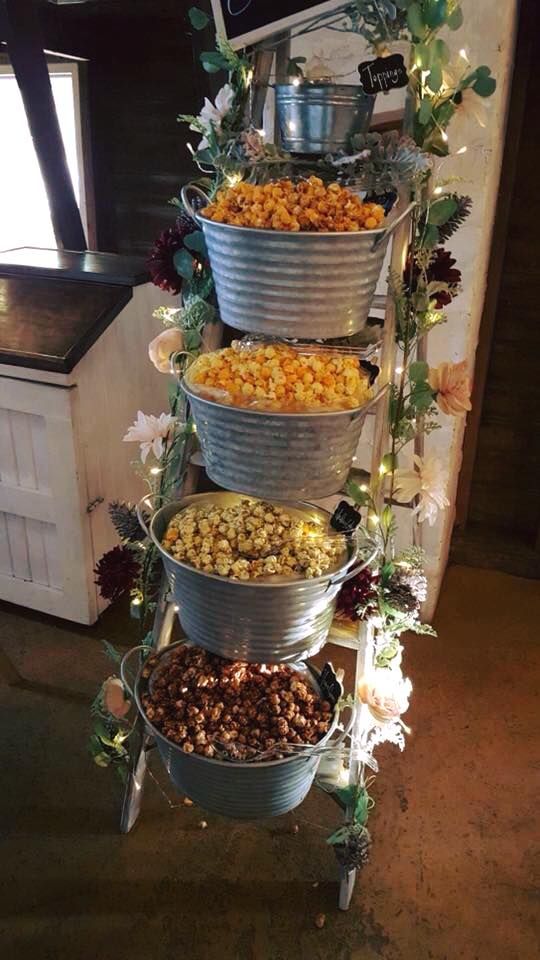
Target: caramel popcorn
(230, 709)
(283, 205)
(251, 539)
(280, 378)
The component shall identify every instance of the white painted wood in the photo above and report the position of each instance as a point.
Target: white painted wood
(18, 548)
(114, 380)
(36, 552)
(60, 448)
(6, 565)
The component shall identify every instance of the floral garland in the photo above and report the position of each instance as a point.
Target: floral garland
(389, 595)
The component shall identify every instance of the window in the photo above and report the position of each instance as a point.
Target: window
(25, 219)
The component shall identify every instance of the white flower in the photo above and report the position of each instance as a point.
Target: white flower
(212, 114)
(428, 483)
(150, 432)
(161, 347)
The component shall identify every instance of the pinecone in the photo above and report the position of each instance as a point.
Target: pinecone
(126, 522)
(417, 583)
(354, 853)
(399, 595)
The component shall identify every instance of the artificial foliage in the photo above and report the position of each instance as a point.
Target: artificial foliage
(388, 596)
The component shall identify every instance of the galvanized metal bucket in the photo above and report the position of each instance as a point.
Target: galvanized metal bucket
(321, 117)
(256, 621)
(311, 285)
(244, 791)
(281, 456)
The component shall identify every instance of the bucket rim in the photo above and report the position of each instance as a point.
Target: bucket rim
(353, 412)
(296, 234)
(256, 764)
(352, 548)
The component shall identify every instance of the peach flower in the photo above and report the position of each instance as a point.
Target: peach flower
(453, 388)
(114, 700)
(386, 693)
(162, 346)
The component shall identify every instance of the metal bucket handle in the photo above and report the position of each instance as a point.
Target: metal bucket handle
(352, 568)
(144, 502)
(123, 667)
(184, 194)
(386, 234)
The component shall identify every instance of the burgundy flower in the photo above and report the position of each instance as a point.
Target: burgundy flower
(116, 572)
(357, 599)
(161, 259)
(440, 269)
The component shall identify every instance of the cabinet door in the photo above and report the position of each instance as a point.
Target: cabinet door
(45, 556)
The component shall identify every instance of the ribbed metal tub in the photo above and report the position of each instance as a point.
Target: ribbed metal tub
(280, 456)
(260, 622)
(321, 117)
(244, 791)
(312, 285)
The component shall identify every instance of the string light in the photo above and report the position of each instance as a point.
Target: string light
(296, 81)
(462, 150)
(374, 519)
(363, 487)
(249, 77)
(383, 469)
(437, 190)
(463, 54)
(399, 371)
(155, 471)
(233, 179)
(444, 135)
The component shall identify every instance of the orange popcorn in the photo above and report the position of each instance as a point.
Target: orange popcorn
(308, 205)
(277, 377)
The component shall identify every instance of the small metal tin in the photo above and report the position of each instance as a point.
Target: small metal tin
(280, 456)
(321, 117)
(256, 621)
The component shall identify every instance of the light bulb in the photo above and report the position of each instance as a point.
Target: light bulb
(444, 135)
(399, 371)
(462, 150)
(437, 190)
(463, 53)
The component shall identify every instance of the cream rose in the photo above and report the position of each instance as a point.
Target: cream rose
(451, 382)
(386, 693)
(114, 700)
(162, 346)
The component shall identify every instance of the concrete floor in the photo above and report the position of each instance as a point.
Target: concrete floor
(454, 862)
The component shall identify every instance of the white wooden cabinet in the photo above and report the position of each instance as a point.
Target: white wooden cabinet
(62, 459)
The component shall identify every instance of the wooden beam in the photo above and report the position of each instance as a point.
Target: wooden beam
(19, 27)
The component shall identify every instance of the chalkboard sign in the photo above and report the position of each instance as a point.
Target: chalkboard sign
(248, 21)
(382, 74)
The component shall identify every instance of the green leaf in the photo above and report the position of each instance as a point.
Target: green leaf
(422, 56)
(192, 339)
(441, 51)
(418, 371)
(361, 807)
(198, 18)
(195, 241)
(112, 652)
(484, 86)
(455, 19)
(435, 12)
(183, 264)
(434, 79)
(347, 795)
(424, 111)
(421, 396)
(389, 462)
(415, 20)
(361, 497)
(430, 237)
(213, 61)
(441, 210)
